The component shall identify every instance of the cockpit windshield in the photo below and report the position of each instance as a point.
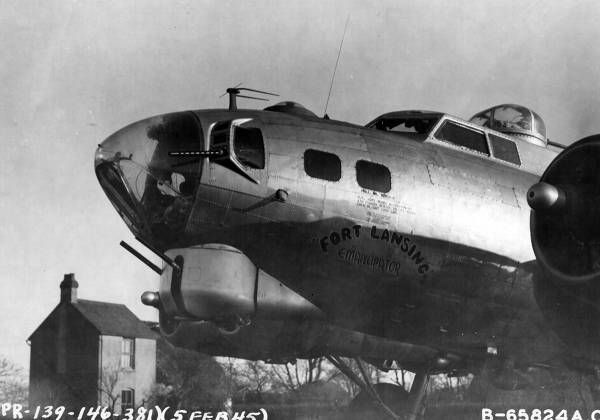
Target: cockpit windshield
(146, 183)
(406, 122)
(406, 125)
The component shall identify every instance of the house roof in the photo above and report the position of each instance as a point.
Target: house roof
(114, 319)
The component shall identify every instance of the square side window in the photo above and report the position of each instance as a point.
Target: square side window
(322, 165)
(373, 176)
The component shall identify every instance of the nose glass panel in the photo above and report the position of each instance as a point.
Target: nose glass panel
(160, 187)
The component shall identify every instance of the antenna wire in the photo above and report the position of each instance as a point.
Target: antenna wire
(336, 64)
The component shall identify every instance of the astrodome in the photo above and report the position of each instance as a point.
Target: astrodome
(516, 120)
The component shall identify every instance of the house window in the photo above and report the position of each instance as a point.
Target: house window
(127, 400)
(505, 149)
(322, 165)
(373, 176)
(463, 136)
(128, 353)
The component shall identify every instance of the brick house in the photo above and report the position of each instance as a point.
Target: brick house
(89, 353)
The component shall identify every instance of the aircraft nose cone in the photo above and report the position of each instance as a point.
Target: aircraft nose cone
(122, 164)
(151, 185)
(543, 196)
(129, 143)
(105, 153)
(99, 156)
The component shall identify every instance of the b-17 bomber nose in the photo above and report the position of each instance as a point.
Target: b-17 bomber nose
(543, 197)
(151, 187)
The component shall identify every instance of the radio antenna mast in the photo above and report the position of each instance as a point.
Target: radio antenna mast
(336, 64)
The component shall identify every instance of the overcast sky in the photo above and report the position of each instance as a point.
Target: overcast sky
(74, 72)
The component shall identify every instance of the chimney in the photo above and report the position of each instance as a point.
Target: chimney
(68, 289)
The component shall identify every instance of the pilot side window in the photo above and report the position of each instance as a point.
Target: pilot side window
(505, 149)
(463, 136)
(322, 165)
(249, 147)
(373, 176)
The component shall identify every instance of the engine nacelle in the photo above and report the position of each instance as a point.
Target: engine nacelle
(565, 234)
(565, 227)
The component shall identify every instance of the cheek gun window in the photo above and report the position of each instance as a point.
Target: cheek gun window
(373, 176)
(249, 147)
(322, 165)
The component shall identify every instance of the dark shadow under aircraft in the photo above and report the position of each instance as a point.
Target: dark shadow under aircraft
(420, 241)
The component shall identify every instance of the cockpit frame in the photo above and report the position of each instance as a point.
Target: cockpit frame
(489, 151)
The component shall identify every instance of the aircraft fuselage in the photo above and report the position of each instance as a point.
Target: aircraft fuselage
(399, 236)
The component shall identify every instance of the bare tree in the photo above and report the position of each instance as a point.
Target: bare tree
(191, 380)
(403, 378)
(231, 374)
(12, 383)
(303, 372)
(351, 388)
(256, 377)
(445, 387)
(107, 385)
(8, 369)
